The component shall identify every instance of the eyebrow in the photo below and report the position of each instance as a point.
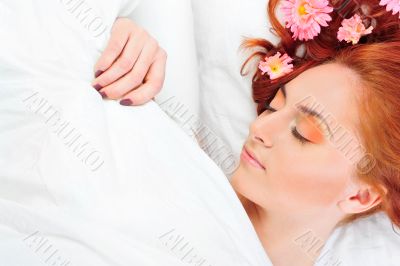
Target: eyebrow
(309, 111)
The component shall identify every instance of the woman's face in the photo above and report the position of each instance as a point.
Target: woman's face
(296, 156)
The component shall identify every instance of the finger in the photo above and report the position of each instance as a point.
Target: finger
(118, 39)
(125, 62)
(136, 76)
(153, 83)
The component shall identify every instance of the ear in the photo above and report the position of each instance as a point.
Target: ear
(361, 198)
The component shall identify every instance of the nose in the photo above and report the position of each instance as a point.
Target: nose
(259, 136)
(265, 129)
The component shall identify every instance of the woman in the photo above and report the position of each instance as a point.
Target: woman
(327, 137)
(324, 149)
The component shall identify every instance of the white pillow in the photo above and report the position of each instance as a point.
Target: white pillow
(226, 105)
(366, 241)
(171, 23)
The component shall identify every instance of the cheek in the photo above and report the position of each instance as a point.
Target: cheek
(308, 178)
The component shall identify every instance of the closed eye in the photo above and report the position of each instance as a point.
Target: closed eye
(298, 136)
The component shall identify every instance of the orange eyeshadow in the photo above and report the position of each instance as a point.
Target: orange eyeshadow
(309, 127)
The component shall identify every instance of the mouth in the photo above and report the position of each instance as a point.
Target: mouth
(250, 158)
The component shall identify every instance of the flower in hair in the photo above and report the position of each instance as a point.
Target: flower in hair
(276, 66)
(391, 5)
(305, 17)
(352, 30)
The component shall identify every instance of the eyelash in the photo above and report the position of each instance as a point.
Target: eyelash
(298, 136)
(294, 131)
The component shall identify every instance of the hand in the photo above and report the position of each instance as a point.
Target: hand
(132, 67)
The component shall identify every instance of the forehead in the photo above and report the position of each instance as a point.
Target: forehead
(329, 89)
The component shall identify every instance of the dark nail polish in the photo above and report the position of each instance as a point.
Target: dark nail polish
(98, 73)
(97, 87)
(103, 94)
(126, 102)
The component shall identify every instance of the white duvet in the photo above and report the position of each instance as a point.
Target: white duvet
(89, 182)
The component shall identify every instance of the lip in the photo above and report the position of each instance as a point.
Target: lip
(250, 158)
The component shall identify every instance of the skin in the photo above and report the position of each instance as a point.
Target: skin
(132, 66)
(302, 186)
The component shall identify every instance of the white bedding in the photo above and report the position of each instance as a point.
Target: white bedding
(89, 182)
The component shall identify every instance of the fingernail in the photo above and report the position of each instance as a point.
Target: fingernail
(126, 102)
(97, 87)
(103, 94)
(98, 73)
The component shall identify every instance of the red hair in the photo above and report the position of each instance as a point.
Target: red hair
(376, 59)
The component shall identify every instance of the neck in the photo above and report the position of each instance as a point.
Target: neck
(291, 239)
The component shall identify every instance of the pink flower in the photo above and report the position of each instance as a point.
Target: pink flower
(391, 5)
(276, 66)
(305, 17)
(352, 29)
